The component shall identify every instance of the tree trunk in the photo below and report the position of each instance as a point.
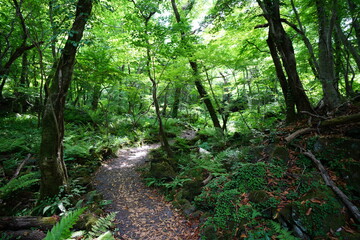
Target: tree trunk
(194, 66)
(285, 48)
(204, 95)
(27, 222)
(289, 103)
(175, 107)
(353, 50)
(355, 20)
(326, 59)
(52, 166)
(95, 96)
(22, 97)
(313, 62)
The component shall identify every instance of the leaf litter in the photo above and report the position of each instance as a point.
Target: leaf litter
(141, 212)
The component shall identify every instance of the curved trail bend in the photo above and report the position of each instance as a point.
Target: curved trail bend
(142, 213)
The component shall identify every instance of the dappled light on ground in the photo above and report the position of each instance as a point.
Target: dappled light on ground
(142, 213)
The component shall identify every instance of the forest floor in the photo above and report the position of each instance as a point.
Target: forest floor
(142, 213)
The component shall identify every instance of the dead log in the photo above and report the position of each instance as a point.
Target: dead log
(298, 133)
(27, 222)
(341, 120)
(352, 208)
(25, 234)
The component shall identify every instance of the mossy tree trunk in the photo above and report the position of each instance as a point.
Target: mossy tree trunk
(326, 56)
(52, 166)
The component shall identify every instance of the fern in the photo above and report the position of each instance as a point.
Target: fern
(62, 229)
(102, 225)
(18, 183)
(283, 233)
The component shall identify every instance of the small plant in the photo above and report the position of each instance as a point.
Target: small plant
(21, 182)
(62, 229)
(101, 226)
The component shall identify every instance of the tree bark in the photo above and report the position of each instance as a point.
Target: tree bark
(52, 166)
(25, 234)
(26, 222)
(354, 10)
(326, 59)
(313, 61)
(194, 66)
(204, 95)
(285, 48)
(176, 104)
(354, 52)
(289, 103)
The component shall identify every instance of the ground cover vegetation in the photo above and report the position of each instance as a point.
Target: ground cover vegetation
(255, 104)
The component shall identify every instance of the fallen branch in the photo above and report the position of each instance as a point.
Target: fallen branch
(21, 166)
(207, 180)
(27, 222)
(352, 208)
(341, 120)
(298, 133)
(314, 115)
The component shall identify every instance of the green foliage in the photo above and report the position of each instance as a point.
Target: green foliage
(324, 214)
(269, 230)
(212, 139)
(19, 134)
(209, 195)
(62, 229)
(21, 182)
(251, 176)
(101, 227)
(66, 200)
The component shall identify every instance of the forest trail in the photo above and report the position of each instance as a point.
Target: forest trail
(142, 213)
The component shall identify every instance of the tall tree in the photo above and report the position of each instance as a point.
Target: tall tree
(52, 165)
(194, 66)
(326, 22)
(284, 46)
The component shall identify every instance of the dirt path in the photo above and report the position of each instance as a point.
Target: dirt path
(142, 213)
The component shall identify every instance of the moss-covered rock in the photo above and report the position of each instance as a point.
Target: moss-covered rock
(315, 213)
(281, 154)
(162, 170)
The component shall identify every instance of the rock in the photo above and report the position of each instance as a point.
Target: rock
(162, 170)
(281, 153)
(353, 133)
(332, 148)
(196, 215)
(314, 214)
(351, 174)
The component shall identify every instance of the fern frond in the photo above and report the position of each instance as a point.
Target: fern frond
(284, 234)
(62, 229)
(18, 183)
(102, 225)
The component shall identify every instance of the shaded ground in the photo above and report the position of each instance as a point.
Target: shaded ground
(142, 213)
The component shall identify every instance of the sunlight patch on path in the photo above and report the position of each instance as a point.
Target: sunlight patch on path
(142, 213)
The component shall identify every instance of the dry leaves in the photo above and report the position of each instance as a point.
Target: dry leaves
(142, 213)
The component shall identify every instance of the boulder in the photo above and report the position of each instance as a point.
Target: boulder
(162, 170)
